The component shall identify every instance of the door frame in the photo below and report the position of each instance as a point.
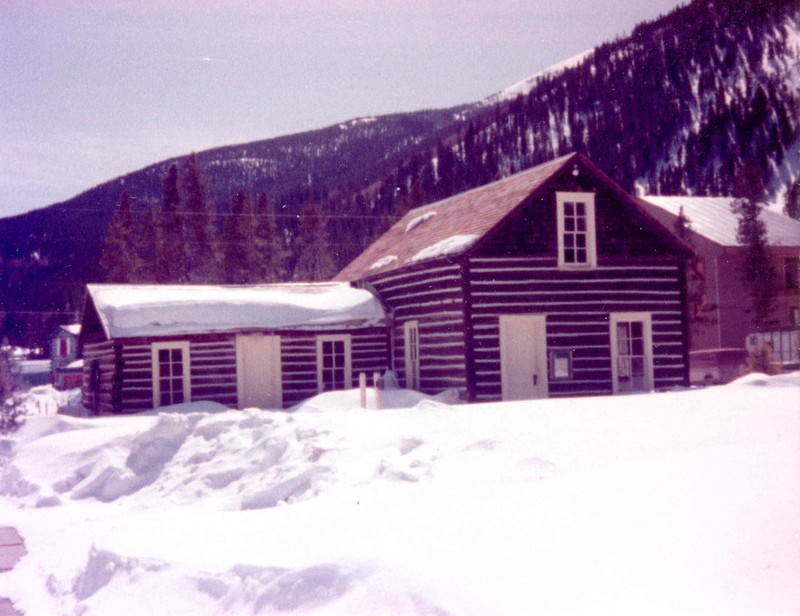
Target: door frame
(412, 360)
(537, 325)
(274, 375)
(646, 318)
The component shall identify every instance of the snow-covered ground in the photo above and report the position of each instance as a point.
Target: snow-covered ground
(671, 503)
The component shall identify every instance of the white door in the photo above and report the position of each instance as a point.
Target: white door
(258, 371)
(523, 356)
(631, 352)
(411, 342)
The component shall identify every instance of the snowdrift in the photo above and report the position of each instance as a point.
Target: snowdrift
(670, 503)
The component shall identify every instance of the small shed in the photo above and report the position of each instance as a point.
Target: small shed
(268, 346)
(64, 345)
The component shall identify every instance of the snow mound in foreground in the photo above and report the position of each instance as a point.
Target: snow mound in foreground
(671, 503)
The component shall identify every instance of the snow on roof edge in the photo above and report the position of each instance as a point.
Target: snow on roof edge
(128, 311)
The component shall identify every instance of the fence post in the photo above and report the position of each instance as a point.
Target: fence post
(362, 386)
(376, 378)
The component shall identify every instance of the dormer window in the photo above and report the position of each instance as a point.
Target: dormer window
(576, 230)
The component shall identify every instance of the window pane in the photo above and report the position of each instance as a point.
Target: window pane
(580, 209)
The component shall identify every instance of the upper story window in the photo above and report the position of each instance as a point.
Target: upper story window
(577, 246)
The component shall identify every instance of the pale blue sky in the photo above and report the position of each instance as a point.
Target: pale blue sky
(94, 89)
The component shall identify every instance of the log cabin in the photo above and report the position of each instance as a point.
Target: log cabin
(267, 346)
(550, 282)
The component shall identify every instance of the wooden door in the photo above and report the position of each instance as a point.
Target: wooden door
(523, 356)
(258, 371)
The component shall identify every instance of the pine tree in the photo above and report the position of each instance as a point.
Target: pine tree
(149, 242)
(701, 313)
(314, 260)
(269, 243)
(242, 259)
(171, 259)
(758, 272)
(120, 256)
(202, 234)
(793, 199)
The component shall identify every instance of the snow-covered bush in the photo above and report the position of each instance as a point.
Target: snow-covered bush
(12, 416)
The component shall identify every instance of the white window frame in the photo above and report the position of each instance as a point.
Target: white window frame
(588, 199)
(646, 319)
(184, 346)
(411, 353)
(348, 359)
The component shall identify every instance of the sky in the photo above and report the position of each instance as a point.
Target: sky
(94, 89)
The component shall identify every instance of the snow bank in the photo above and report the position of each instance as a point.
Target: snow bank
(672, 503)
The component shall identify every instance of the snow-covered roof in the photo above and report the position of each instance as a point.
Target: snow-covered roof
(127, 311)
(72, 328)
(713, 218)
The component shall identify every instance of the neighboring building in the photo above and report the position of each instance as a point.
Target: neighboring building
(146, 346)
(64, 345)
(714, 226)
(66, 371)
(552, 282)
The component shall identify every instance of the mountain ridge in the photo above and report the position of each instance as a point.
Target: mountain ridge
(677, 107)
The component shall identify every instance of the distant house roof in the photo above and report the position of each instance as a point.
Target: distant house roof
(713, 218)
(127, 311)
(450, 226)
(73, 329)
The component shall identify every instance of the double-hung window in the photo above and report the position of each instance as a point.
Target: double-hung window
(577, 246)
(334, 370)
(171, 378)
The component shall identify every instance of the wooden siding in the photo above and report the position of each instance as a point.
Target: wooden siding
(622, 231)
(434, 296)
(577, 305)
(103, 398)
(127, 370)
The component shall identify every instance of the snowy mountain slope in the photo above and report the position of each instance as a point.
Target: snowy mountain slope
(676, 108)
(670, 503)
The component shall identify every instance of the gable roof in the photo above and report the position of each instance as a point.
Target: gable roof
(127, 311)
(450, 226)
(71, 329)
(712, 218)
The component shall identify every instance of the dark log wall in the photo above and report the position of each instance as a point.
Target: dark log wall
(103, 397)
(577, 305)
(433, 295)
(622, 230)
(126, 367)
(369, 353)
